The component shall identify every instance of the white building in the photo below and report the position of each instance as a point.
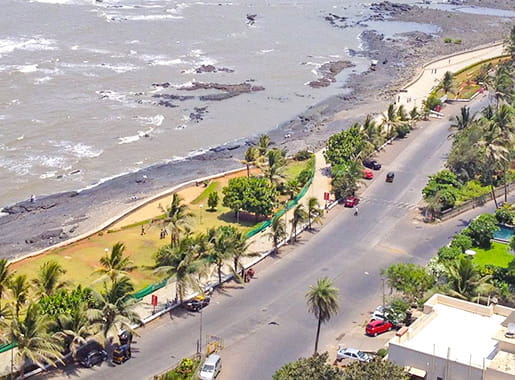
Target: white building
(457, 340)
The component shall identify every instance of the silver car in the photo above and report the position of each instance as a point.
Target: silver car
(352, 353)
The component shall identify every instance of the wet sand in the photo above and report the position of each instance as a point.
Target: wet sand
(31, 226)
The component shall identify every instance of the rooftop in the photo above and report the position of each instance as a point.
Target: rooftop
(461, 335)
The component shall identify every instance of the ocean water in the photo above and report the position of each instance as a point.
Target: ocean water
(78, 102)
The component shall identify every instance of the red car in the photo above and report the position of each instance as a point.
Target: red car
(351, 201)
(368, 174)
(378, 326)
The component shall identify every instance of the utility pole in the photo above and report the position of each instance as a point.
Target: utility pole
(383, 293)
(200, 335)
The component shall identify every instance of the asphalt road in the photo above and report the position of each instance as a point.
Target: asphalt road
(266, 324)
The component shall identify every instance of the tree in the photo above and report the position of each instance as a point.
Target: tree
(48, 281)
(344, 146)
(447, 82)
(176, 219)
(481, 230)
(312, 368)
(463, 120)
(19, 287)
(510, 43)
(114, 264)
(75, 327)
(5, 277)
(346, 177)
(322, 300)
(178, 262)
(34, 342)
(376, 369)
(113, 309)
(292, 187)
(444, 179)
(263, 144)
(238, 249)
(299, 216)
(252, 194)
(251, 155)
(277, 232)
(411, 279)
(276, 159)
(212, 200)
(221, 238)
(464, 278)
(391, 120)
(314, 211)
(462, 242)
(372, 134)
(505, 214)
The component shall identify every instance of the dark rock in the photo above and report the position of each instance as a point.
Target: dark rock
(217, 97)
(329, 71)
(164, 85)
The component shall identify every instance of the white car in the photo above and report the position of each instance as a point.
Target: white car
(352, 353)
(380, 313)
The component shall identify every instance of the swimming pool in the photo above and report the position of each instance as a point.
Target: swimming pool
(504, 234)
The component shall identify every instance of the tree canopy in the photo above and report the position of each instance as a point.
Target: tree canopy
(251, 194)
(315, 367)
(344, 146)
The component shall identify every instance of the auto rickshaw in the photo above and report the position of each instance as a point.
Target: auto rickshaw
(121, 353)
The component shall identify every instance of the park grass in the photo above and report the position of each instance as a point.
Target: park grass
(81, 259)
(294, 168)
(498, 255)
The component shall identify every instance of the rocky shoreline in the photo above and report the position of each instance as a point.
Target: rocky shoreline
(33, 225)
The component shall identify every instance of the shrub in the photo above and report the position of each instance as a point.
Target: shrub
(481, 230)
(304, 176)
(471, 189)
(382, 352)
(461, 241)
(457, 42)
(447, 198)
(448, 253)
(444, 179)
(302, 155)
(402, 130)
(212, 200)
(504, 214)
(432, 101)
(447, 40)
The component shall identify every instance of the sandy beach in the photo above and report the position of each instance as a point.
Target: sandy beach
(31, 226)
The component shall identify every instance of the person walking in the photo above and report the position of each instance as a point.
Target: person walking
(356, 211)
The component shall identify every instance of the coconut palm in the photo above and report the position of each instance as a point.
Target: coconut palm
(299, 216)
(464, 119)
(372, 133)
(19, 287)
(263, 144)
(390, 120)
(503, 85)
(115, 263)
(5, 276)
(277, 232)
(34, 342)
(113, 309)
(178, 262)
(48, 280)
(238, 249)
(75, 327)
(251, 156)
(464, 278)
(176, 219)
(495, 153)
(447, 82)
(314, 211)
(276, 161)
(322, 300)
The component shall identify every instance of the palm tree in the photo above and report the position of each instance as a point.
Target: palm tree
(251, 155)
(276, 163)
(48, 279)
(390, 120)
(322, 300)
(277, 232)
(464, 278)
(114, 307)
(176, 219)
(178, 262)
(19, 288)
(115, 264)
(503, 85)
(5, 276)
(434, 206)
(75, 327)
(314, 211)
(495, 153)
(299, 216)
(346, 178)
(238, 249)
(503, 119)
(372, 134)
(34, 342)
(263, 144)
(447, 82)
(464, 119)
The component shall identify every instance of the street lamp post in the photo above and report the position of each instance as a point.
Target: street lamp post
(383, 292)
(200, 335)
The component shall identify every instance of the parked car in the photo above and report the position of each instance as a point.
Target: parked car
(121, 353)
(372, 164)
(390, 176)
(197, 303)
(380, 313)
(93, 357)
(352, 353)
(211, 367)
(377, 327)
(368, 174)
(350, 201)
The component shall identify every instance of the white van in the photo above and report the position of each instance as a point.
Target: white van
(211, 367)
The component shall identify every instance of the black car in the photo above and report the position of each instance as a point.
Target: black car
(196, 304)
(390, 176)
(93, 357)
(372, 164)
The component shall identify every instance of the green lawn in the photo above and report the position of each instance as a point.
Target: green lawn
(293, 168)
(498, 255)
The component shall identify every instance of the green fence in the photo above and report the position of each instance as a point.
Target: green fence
(292, 203)
(6, 347)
